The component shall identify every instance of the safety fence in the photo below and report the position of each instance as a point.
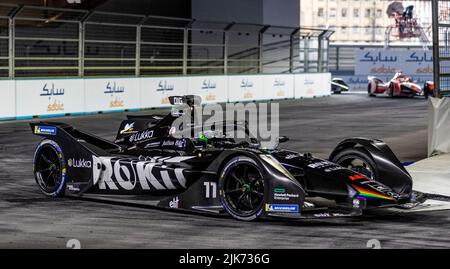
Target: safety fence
(28, 98)
(42, 42)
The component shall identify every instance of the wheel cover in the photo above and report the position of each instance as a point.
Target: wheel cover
(358, 165)
(244, 189)
(48, 169)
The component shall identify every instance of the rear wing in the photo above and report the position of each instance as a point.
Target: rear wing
(67, 136)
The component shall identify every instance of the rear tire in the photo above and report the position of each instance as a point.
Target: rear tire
(241, 187)
(358, 160)
(369, 90)
(50, 169)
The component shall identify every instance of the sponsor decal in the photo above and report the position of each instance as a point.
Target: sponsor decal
(46, 91)
(284, 196)
(334, 168)
(327, 215)
(356, 177)
(79, 163)
(129, 127)
(50, 92)
(279, 190)
(210, 97)
(125, 174)
(174, 203)
(144, 135)
(283, 208)
(72, 188)
(45, 130)
(116, 102)
(163, 85)
(320, 164)
(208, 85)
(364, 193)
(280, 93)
(291, 156)
(113, 88)
(279, 83)
(55, 106)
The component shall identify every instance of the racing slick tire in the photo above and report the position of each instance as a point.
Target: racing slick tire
(391, 90)
(241, 188)
(369, 90)
(49, 168)
(358, 160)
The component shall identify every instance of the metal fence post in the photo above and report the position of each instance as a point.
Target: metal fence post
(291, 50)
(306, 54)
(260, 47)
(337, 58)
(319, 54)
(225, 47)
(81, 31)
(11, 47)
(185, 50)
(436, 64)
(12, 41)
(81, 42)
(138, 50)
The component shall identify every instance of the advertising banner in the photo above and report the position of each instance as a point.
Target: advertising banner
(245, 88)
(111, 94)
(381, 62)
(312, 85)
(278, 86)
(49, 97)
(212, 89)
(155, 92)
(8, 99)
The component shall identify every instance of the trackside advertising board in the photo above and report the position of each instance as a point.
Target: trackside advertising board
(57, 97)
(49, 97)
(212, 89)
(111, 94)
(7, 99)
(278, 86)
(245, 88)
(155, 92)
(312, 85)
(381, 62)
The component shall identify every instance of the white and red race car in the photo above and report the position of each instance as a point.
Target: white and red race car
(399, 85)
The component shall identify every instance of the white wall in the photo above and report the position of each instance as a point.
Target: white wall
(8, 99)
(56, 97)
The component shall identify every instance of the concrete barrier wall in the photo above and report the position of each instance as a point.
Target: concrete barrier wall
(22, 99)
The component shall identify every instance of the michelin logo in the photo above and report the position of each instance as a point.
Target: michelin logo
(283, 208)
(45, 130)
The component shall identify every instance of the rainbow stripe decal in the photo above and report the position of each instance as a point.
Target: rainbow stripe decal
(369, 194)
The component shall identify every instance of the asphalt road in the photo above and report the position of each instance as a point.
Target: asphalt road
(28, 219)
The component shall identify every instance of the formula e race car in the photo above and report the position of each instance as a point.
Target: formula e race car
(399, 85)
(338, 85)
(216, 174)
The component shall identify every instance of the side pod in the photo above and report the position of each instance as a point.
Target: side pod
(391, 171)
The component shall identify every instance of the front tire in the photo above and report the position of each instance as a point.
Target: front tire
(358, 160)
(241, 187)
(50, 168)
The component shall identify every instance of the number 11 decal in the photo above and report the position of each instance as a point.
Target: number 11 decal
(210, 189)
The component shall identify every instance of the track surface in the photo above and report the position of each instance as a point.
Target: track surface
(27, 219)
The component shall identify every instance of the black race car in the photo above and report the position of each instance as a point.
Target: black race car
(218, 174)
(338, 86)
